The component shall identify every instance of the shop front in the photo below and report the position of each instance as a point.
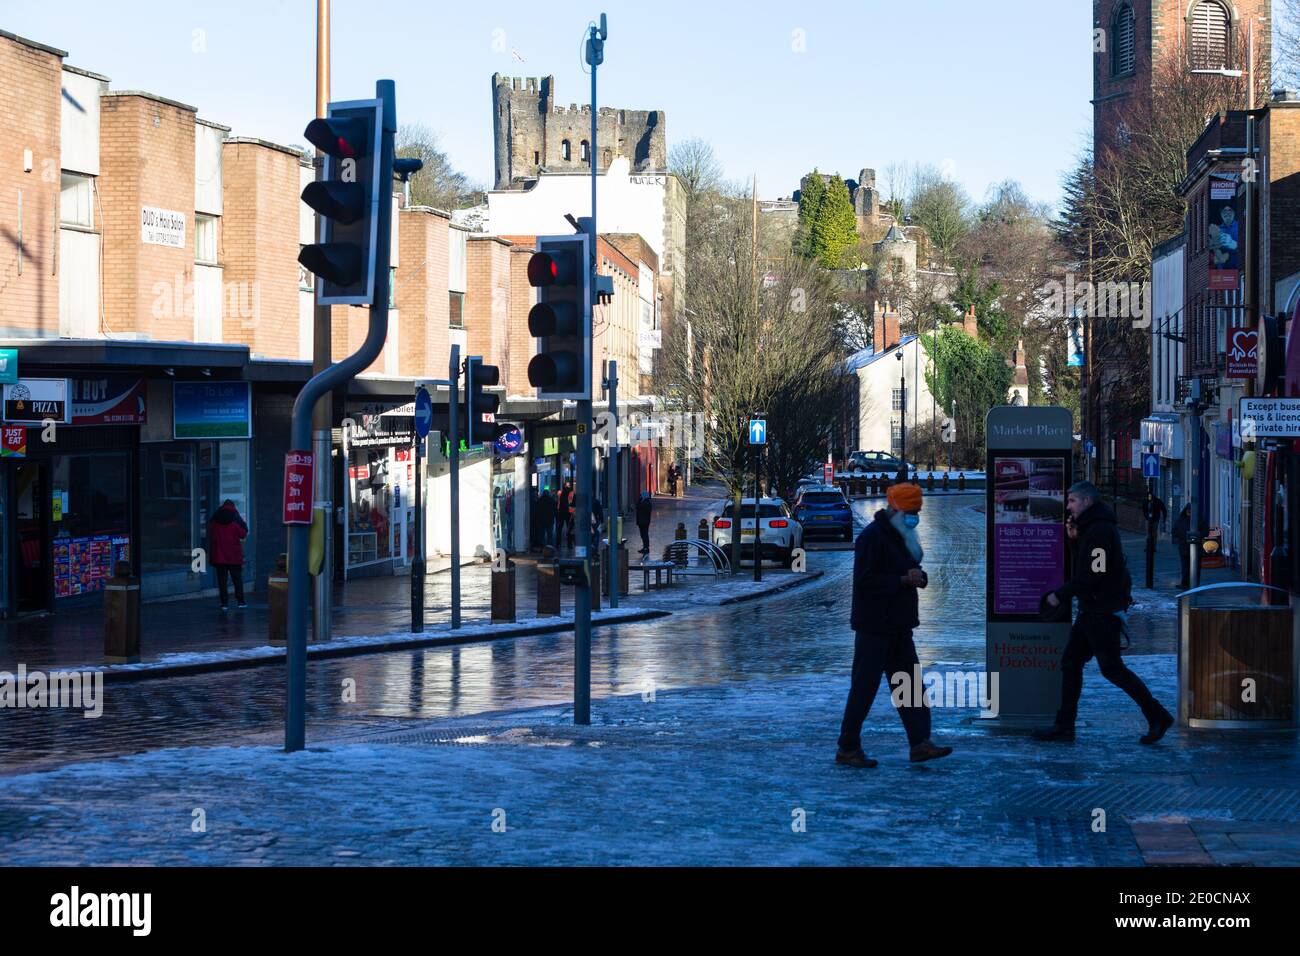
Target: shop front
(379, 511)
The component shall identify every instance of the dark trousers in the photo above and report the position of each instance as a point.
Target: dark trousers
(234, 572)
(1098, 635)
(874, 656)
(645, 537)
(1185, 562)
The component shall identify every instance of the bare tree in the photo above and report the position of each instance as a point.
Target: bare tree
(438, 184)
(694, 163)
(759, 340)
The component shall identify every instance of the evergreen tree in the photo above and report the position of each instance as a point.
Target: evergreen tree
(973, 374)
(835, 229)
(811, 194)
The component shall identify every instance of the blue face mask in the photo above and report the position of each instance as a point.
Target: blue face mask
(911, 520)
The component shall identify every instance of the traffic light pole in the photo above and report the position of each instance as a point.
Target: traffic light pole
(614, 575)
(453, 427)
(595, 55)
(295, 723)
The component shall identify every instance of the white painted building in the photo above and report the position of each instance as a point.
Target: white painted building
(1166, 430)
(882, 405)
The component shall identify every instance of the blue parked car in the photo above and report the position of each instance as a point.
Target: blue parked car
(823, 510)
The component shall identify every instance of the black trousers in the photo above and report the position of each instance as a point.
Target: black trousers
(234, 572)
(645, 537)
(874, 656)
(1098, 635)
(1185, 562)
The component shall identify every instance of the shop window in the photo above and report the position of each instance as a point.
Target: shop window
(90, 514)
(456, 310)
(370, 506)
(166, 500)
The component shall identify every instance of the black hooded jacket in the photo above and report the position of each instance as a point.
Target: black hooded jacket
(1108, 588)
(882, 603)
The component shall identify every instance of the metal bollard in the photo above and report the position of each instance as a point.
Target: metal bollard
(945, 481)
(703, 532)
(961, 481)
(122, 616)
(929, 482)
(548, 590)
(503, 595)
(680, 533)
(277, 599)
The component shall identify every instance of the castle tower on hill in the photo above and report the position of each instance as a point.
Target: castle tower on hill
(531, 133)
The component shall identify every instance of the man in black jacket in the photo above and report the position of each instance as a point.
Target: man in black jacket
(1103, 587)
(644, 509)
(886, 575)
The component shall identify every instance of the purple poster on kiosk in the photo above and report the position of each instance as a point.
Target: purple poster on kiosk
(1028, 532)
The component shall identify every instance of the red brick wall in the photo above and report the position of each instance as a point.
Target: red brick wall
(1280, 205)
(259, 249)
(520, 344)
(422, 293)
(146, 159)
(487, 298)
(29, 119)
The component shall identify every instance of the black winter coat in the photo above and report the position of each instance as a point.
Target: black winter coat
(1098, 591)
(643, 510)
(882, 603)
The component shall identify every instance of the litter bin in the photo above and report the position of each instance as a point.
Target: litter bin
(1236, 663)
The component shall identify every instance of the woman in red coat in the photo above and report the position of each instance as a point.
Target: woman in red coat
(226, 534)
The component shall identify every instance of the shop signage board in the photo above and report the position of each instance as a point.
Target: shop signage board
(8, 366)
(109, 400)
(206, 410)
(1029, 451)
(162, 227)
(298, 474)
(13, 441)
(1242, 352)
(35, 400)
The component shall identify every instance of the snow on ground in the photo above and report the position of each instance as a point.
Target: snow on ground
(733, 774)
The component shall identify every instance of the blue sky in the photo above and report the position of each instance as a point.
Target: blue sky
(987, 91)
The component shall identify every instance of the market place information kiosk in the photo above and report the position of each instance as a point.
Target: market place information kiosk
(1029, 471)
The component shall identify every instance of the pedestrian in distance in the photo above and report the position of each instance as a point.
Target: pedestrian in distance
(1102, 584)
(1156, 512)
(887, 576)
(644, 509)
(1181, 533)
(672, 480)
(546, 518)
(226, 533)
(563, 513)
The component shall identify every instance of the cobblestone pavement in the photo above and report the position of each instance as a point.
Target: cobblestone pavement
(738, 773)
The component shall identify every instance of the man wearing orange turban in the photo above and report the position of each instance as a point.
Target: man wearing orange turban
(886, 577)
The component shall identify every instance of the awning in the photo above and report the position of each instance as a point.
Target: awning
(1163, 434)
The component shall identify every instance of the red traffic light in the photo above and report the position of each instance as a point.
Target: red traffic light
(551, 268)
(339, 137)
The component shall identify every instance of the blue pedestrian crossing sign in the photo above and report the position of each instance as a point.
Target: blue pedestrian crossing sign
(1150, 465)
(758, 431)
(423, 413)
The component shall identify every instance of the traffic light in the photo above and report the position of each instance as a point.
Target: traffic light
(560, 271)
(478, 403)
(349, 200)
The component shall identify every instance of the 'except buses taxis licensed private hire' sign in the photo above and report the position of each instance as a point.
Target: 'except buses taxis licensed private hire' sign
(162, 227)
(1270, 418)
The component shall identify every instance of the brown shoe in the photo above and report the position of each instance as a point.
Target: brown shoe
(854, 758)
(927, 750)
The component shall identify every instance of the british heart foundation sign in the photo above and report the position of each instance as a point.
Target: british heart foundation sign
(1242, 353)
(297, 487)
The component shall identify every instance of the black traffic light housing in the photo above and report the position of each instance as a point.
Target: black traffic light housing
(347, 198)
(560, 271)
(478, 403)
